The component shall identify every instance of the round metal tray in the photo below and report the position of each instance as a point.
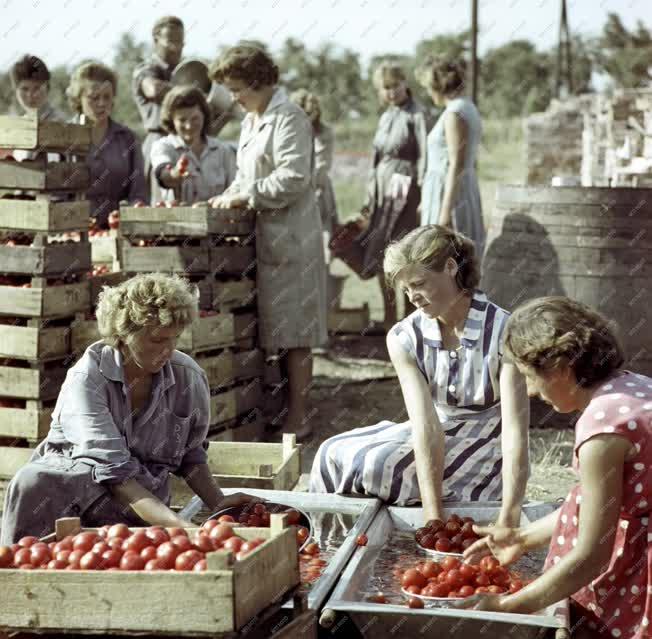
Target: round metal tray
(236, 511)
(445, 602)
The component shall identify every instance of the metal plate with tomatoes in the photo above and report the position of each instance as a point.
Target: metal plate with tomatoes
(253, 515)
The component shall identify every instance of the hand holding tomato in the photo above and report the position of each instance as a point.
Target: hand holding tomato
(506, 544)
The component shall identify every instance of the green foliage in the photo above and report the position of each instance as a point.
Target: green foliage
(128, 54)
(622, 54)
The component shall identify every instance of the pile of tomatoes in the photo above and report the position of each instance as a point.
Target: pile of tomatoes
(453, 578)
(454, 535)
(118, 548)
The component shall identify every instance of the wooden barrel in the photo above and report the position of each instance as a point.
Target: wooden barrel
(591, 244)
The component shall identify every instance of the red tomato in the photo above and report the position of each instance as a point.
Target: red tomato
(496, 590)
(467, 542)
(118, 530)
(452, 528)
(420, 534)
(468, 572)
(488, 565)
(200, 566)
(233, 544)
(378, 597)
(429, 569)
(429, 541)
(454, 579)
(152, 564)
(456, 518)
(132, 561)
(414, 590)
(456, 542)
(362, 540)
(64, 544)
(103, 532)
(454, 594)
(259, 509)
(467, 531)
(254, 521)
(221, 532)
(175, 531)
(209, 524)
(435, 525)
(26, 542)
(22, 556)
(115, 543)
(137, 542)
(414, 602)
(468, 520)
(311, 549)
(90, 561)
(443, 545)
(500, 576)
(226, 519)
(100, 547)
(466, 591)
(157, 535)
(294, 517)
(167, 554)
(25, 566)
(56, 564)
(110, 559)
(63, 555)
(450, 563)
(84, 541)
(40, 554)
(440, 590)
(442, 534)
(181, 542)
(515, 586)
(246, 548)
(302, 534)
(186, 560)
(6, 556)
(481, 590)
(203, 542)
(265, 519)
(413, 577)
(148, 553)
(429, 591)
(482, 580)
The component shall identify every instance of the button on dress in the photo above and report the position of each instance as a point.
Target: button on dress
(618, 603)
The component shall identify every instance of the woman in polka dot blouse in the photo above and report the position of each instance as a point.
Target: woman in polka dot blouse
(601, 538)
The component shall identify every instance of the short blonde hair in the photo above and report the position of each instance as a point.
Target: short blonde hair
(442, 74)
(546, 332)
(387, 69)
(148, 300)
(430, 246)
(82, 75)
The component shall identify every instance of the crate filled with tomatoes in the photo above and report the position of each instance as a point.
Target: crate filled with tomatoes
(202, 581)
(394, 578)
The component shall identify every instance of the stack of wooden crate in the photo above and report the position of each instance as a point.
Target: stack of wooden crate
(45, 258)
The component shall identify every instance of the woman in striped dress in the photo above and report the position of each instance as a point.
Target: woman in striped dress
(467, 434)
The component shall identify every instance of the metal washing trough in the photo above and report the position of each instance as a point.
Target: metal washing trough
(346, 606)
(337, 521)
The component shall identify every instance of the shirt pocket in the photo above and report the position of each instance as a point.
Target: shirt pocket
(171, 436)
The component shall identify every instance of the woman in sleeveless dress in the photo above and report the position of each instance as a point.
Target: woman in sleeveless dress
(450, 193)
(467, 434)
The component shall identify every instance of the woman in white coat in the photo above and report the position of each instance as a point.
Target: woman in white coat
(274, 177)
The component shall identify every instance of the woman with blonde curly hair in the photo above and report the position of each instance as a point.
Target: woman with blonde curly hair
(600, 539)
(114, 159)
(131, 411)
(467, 434)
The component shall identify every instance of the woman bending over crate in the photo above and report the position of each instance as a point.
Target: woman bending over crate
(600, 552)
(190, 165)
(131, 411)
(467, 436)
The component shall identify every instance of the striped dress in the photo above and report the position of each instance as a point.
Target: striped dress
(379, 460)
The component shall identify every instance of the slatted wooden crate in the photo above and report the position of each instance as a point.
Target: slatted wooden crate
(43, 135)
(223, 599)
(98, 282)
(39, 341)
(239, 464)
(31, 423)
(349, 320)
(185, 258)
(40, 175)
(219, 330)
(105, 249)
(184, 221)
(233, 293)
(39, 382)
(228, 404)
(43, 215)
(233, 259)
(50, 301)
(48, 259)
(226, 367)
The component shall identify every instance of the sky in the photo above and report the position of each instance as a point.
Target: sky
(67, 31)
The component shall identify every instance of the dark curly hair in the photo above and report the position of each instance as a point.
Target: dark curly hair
(250, 64)
(546, 332)
(442, 74)
(29, 67)
(184, 97)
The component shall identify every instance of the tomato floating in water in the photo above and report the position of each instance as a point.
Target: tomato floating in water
(377, 597)
(413, 577)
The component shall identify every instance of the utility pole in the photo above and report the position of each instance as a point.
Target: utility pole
(474, 51)
(564, 54)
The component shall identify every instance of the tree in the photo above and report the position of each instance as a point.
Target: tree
(624, 55)
(128, 53)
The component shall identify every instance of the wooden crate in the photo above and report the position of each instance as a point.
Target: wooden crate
(184, 259)
(184, 221)
(104, 249)
(98, 282)
(233, 294)
(43, 215)
(46, 260)
(238, 400)
(83, 332)
(50, 301)
(43, 135)
(348, 320)
(40, 175)
(38, 382)
(222, 369)
(239, 464)
(31, 423)
(232, 259)
(38, 342)
(222, 599)
(217, 331)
